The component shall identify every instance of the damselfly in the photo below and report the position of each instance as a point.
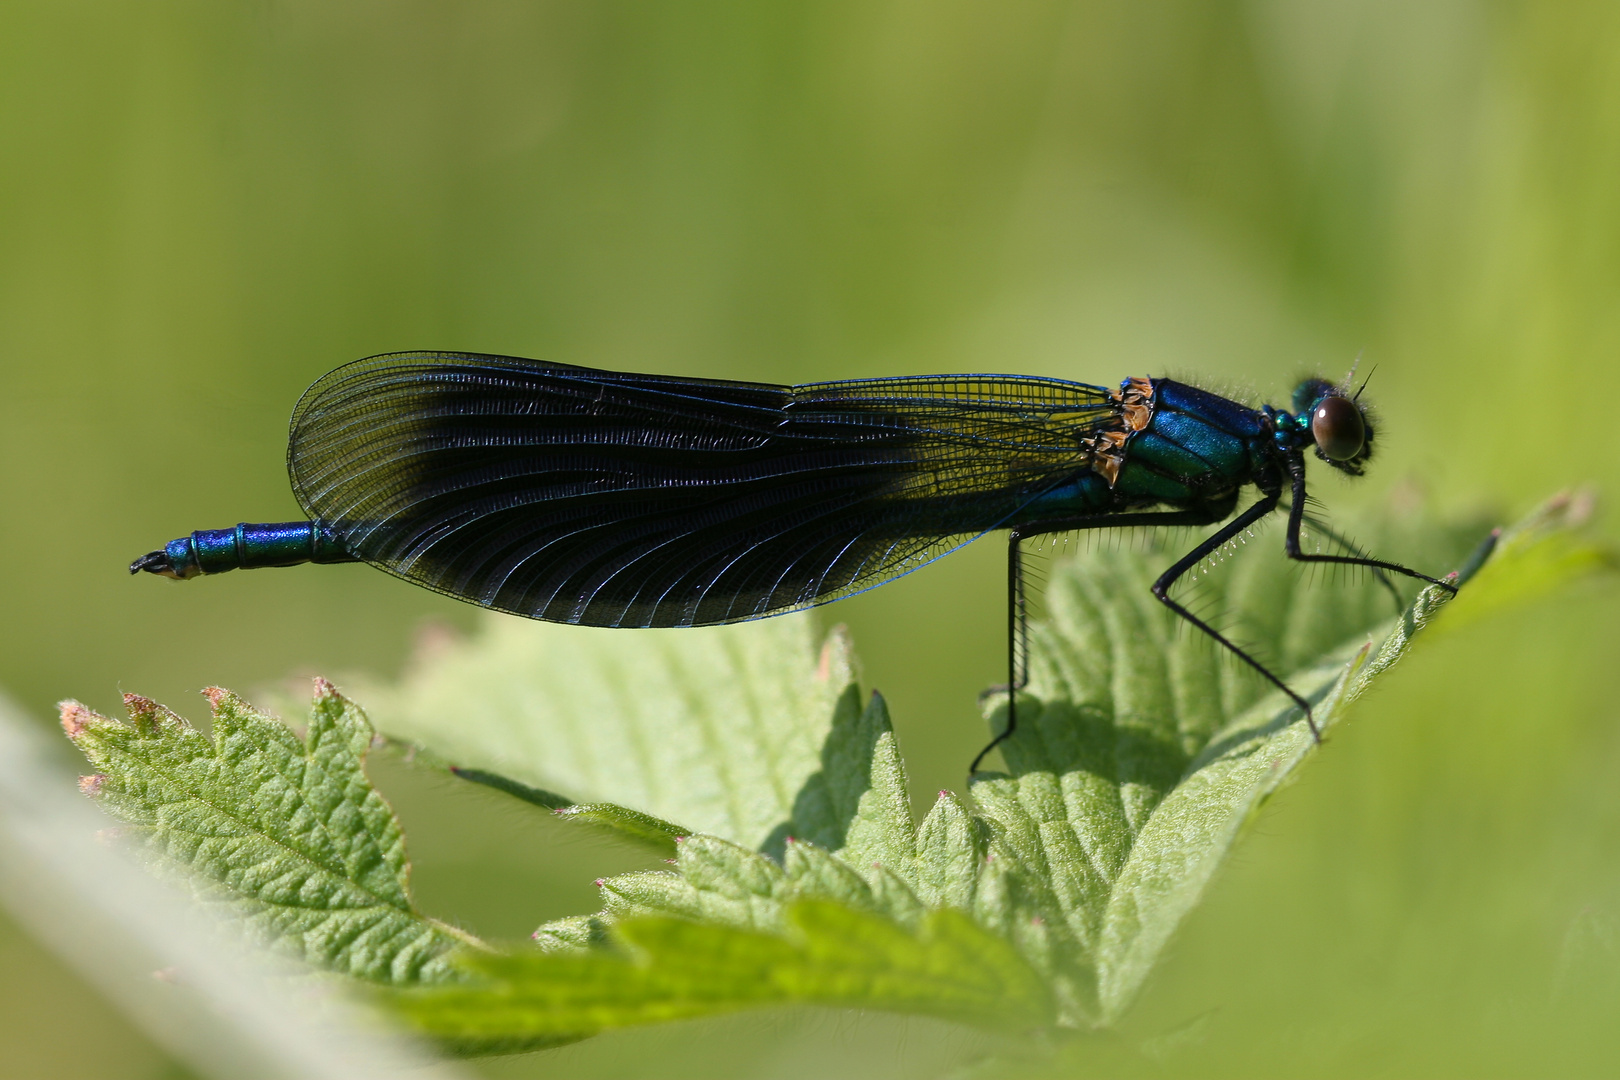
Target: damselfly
(612, 499)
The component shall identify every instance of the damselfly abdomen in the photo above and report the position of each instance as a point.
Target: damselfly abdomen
(611, 499)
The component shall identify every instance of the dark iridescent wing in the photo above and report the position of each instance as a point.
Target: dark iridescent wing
(614, 499)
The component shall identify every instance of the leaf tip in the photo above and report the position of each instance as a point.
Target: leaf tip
(324, 689)
(147, 715)
(75, 717)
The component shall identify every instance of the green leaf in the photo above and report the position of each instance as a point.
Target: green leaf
(667, 968)
(286, 834)
(718, 729)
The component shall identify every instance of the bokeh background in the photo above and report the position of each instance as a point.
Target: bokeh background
(205, 206)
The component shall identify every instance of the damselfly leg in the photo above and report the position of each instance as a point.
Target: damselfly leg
(1017, 607)
(1334, 536)
(1296, 515)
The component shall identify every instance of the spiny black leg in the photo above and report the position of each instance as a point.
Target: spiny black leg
(1296, 514)
(1161, 589)
(1017, 605)
(1378, 571)
(1018, 627)
(1016, 624)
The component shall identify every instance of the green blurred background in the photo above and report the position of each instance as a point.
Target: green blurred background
(205, 206)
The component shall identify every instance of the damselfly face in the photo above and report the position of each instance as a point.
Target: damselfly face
(1340, 427)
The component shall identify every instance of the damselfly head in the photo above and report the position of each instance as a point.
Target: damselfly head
(1340, 425)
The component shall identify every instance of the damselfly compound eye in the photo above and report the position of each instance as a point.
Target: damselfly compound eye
(1338, 429)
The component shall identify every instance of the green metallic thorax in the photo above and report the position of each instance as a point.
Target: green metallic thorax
(1198, 447)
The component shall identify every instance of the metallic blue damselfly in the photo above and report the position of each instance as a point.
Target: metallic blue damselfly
(605, 498)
